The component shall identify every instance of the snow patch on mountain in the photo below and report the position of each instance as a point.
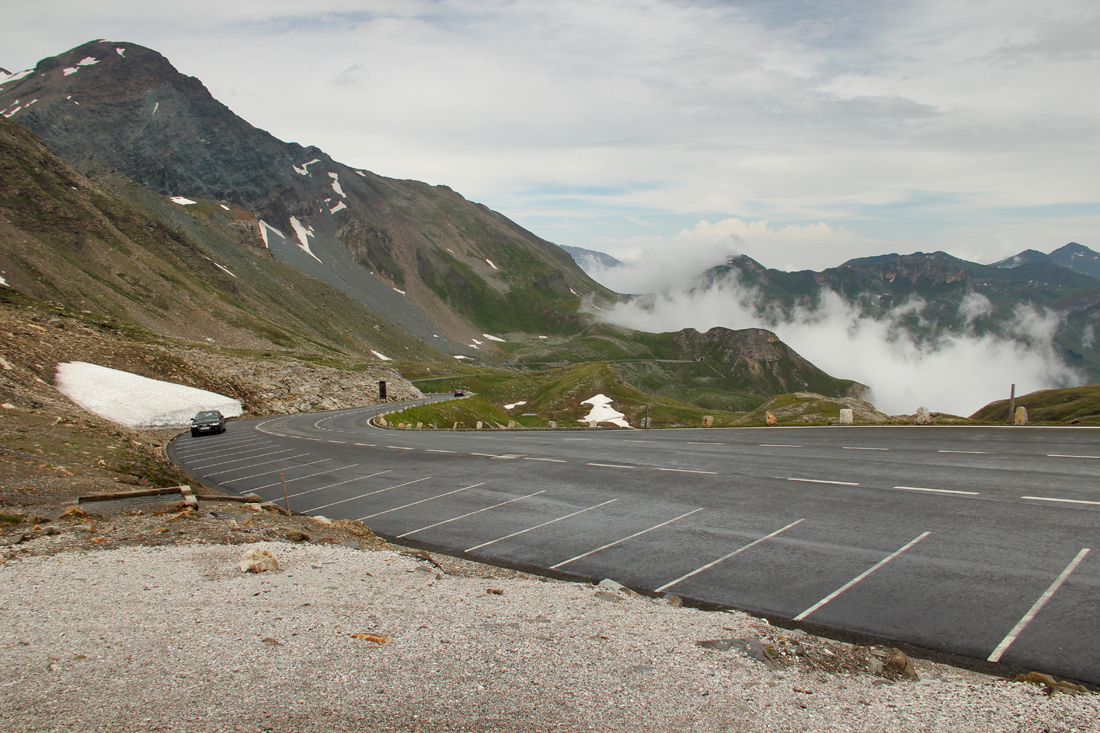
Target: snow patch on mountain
(303, 232)
(383, 357)
(70, 70)
(336, 185)
(493, 338)
(182, 201)
(6, 77)
(4, 282)
(87, 61)
(304, 170)
(120, 51)
(338, 207)
(264, 227)
(136, 401)
(400, 291)
(603, 412)
(491, 264)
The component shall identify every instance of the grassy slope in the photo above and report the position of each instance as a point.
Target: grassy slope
(1076, 405)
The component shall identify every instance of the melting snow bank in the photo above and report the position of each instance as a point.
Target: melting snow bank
(135, 401)
(603, 412)
(515, 404)
(383, 357)
(181, 200)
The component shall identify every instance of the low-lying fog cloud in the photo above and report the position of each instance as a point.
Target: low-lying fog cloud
(956, 373)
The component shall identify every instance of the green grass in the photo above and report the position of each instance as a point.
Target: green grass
(1075, 405)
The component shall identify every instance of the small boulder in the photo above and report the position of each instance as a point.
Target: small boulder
(1020, 418)
(708, 421)
(258, 560)
(552, 425)
(846, 416)
(770, 418)
(923, 417)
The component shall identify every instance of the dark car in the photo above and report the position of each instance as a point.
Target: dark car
(207, 421)
(459, 393)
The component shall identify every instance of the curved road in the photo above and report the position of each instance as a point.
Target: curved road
(975, 541)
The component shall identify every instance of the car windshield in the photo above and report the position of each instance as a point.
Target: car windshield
(208, 415)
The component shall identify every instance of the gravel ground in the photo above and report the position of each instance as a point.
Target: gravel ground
(178, 638)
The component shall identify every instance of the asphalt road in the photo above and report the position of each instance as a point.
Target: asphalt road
(975, 541)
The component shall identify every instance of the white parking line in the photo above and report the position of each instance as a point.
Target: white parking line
(1057, 455)
(238, 460)
(311, 475)
(823, 481)
(856, 447)
(970, 452)
(538, 526)
(937, 491)
(860, 577)
(406, 506)
(624, 539)
(609, 465)
(688, 470)
(222, 447)
(1061, 501)
(277, 470)
(1022, 624)
(738, 551)
(470, 514)
(547, 460)
(369, 493)
(254, 465)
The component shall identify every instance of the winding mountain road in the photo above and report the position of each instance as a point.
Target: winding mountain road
(979, 541)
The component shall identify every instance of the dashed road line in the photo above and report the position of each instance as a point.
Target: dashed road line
(857, 447)
(1058, 455)
(722, 559)
(968, 452)
(1023, 622)
(546, 460)
(436, 450)
(470, 514)
(365, 445)
(624, 539)
(1061, 501)
(539, 526)
(399, 447)
(609, 465)
(688, 470)
(702, 443)
(823, 481)
(430, 498)
(938, 491)
(860, 577)
(778, 445)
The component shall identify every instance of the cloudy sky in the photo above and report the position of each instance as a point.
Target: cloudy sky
(799, 132)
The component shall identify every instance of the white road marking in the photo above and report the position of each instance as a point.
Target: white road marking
(575, 438)
(859, 577)
(970, 452)
(254, 465)
(691, 443)
(399, 447)
(609, 465)
(406, 506)
(738, 551)
(277, 470)
(856, 447)
(370, 493)
(365, 445)
(538, 526)
(506, 456)
(327, 486)
(1057, 455)
(823, 481)
(338, 442)
(470, 514)
(688, 470)
(1019, 627)
(624, 539)
(937, 491)
(777, 445)
(1062, 501)
(547, 460)
(222, 447)
(238, 460)
(436, 450)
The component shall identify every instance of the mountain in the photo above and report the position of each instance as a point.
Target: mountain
(438, 266)
(129, 257)
(933, 294)
(1077, 257)
(586, 258)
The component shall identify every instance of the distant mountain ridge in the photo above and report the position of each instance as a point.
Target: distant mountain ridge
(1075, 256)
(442, 268)
(588, 257)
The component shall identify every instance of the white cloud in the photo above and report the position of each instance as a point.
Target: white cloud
(956, 373)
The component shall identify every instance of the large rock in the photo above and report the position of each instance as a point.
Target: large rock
(846, 416)
(923, 416)
(258, 560)
(1020, 418)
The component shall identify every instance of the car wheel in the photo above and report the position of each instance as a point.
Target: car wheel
(194, 434)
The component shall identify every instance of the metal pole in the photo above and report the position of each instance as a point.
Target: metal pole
(286, 499)
(1012, 405)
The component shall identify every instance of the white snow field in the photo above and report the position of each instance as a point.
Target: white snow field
(136, 401)
(602, 411)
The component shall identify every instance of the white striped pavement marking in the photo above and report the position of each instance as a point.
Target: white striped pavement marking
(435, 450)
(268, 473)
(703, 443)
(938, 491)
(1022, 624)
(722, 559)
(609, 465)
(1060, 501)
(329, 486)
(624, 539)
(365, 445)
(856, 447)
(238, 460)
(547, 460)
(539, 526)
(823, 481)
(470, 514)
(430, 498)
(860, 577)
(399, 447)
(778, 445)
(1058, 455)
(970, 452)
(255, 465)
(688, 470)
(361, 496)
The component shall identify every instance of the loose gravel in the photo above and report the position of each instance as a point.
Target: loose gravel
(178, 638)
